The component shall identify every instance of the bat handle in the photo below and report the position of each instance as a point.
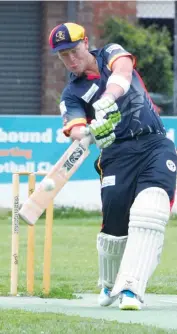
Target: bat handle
(87, 140)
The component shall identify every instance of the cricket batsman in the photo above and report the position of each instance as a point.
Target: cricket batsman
(137, 163)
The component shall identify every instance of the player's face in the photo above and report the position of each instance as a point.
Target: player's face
(76, 59)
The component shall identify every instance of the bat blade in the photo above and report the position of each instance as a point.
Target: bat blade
(61, 172)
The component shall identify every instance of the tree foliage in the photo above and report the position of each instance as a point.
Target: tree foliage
(150, 46)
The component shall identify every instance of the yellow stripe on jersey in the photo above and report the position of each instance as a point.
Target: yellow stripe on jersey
(99, 167)
(119, 56)
(77, 121)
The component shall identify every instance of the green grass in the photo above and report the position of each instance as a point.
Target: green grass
(74, 258)
(164, 279)
(21, 322)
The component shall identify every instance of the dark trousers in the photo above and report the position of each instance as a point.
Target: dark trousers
(127, 169)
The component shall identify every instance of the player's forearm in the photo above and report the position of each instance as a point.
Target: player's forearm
(114, 90)
(119, 82)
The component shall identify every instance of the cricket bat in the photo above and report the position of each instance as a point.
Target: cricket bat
(60, 173)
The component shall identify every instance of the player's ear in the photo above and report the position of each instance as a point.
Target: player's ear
(86, 42)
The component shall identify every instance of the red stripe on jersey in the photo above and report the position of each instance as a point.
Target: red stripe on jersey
(144, 87)
(89, 120)
(93, 76)
(172, 202)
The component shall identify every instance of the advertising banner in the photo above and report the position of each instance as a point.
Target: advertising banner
(32, 143)
(35, 143)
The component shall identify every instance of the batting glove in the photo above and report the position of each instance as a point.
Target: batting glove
(106, 104)
(103, 132)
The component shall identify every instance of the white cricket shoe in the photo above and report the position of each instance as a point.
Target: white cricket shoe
(104, 298)
(129, 301)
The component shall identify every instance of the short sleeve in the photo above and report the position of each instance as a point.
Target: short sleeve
(115, 51)
(72, 111)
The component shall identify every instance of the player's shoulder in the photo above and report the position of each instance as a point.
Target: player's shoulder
(65, 90)
(109, 48)
(66, 93)
(69, 93)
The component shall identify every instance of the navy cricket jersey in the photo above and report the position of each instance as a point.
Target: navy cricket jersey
(138, 115)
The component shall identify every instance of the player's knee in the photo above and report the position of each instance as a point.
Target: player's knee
(151, 209)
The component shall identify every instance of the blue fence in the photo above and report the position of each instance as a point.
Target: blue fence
(36, 142)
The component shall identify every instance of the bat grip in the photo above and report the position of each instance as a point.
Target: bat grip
(87, 140)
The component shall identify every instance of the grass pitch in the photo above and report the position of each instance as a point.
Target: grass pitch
(74, 269)
(74, 257)
(21, 322)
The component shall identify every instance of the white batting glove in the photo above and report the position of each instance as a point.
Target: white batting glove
(102, 128)
(103, 132)
(106, 103)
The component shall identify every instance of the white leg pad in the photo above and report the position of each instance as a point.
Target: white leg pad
(110, 252)
(149, 215)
